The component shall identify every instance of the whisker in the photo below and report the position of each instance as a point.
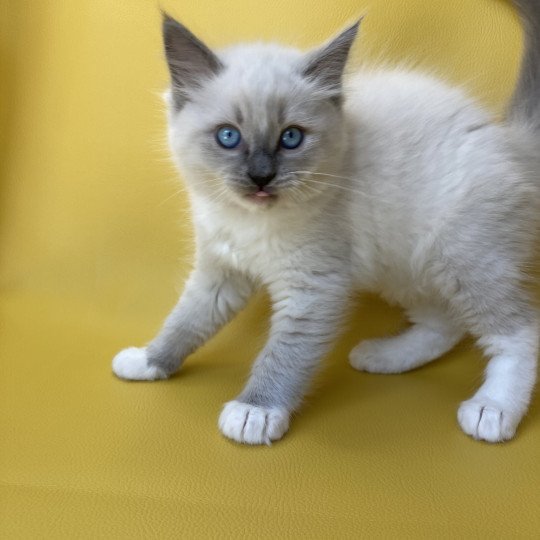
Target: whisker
(183, 189)
(337, 186)
(175, 194)
(324, 174)
(220, 194)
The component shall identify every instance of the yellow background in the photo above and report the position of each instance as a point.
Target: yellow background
(95, 244)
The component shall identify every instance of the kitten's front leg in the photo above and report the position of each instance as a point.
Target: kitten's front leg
(308, 311)
(211, 297)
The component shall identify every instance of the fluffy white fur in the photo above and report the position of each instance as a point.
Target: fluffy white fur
(403, 186)
(251, 424)
(132, 364)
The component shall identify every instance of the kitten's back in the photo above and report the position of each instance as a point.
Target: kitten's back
(431, 168)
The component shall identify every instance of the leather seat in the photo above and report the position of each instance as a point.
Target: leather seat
(96, 242)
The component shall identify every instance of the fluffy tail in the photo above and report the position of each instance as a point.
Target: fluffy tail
(524, 106)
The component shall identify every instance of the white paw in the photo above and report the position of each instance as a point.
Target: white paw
(372, 355)
(487, 420)
(250, 424)
(132, 364)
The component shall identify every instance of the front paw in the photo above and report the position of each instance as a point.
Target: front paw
(132, 364)
(250, 424)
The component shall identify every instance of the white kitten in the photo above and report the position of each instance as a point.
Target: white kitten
(398, 184)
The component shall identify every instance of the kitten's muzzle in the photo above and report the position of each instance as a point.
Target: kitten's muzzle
(261, 167)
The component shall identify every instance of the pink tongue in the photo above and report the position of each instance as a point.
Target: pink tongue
(262, 194)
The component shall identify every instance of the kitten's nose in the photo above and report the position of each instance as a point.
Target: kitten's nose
(261, 180)
(261, 167)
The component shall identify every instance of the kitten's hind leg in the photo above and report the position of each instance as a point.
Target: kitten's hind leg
(432, 334)
(498, 311)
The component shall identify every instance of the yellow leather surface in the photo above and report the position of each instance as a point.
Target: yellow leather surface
(96, 242)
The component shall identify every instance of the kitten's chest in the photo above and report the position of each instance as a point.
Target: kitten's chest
(256, 251)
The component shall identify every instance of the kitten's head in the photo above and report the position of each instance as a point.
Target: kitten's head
(256, 125)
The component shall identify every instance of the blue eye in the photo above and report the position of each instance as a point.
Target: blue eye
(228, 137)
(291, 138)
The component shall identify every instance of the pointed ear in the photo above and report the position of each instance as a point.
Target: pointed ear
(190, 60)
(325, 65)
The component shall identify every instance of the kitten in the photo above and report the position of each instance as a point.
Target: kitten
(397, 184)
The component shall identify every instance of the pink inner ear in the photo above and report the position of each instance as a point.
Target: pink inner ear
(262, 194)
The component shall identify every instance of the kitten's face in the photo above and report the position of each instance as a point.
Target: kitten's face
(256, 128)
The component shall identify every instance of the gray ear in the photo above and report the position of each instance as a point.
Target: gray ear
(325, 65)
(190, 60)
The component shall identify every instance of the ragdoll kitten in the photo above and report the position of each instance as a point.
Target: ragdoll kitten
(398, 184)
